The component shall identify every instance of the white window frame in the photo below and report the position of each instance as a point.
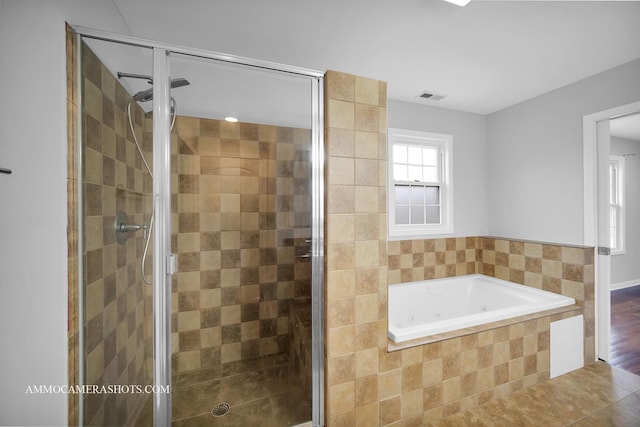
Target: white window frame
(617, 204)
(443, 143)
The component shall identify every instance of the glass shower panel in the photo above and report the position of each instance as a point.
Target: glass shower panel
(241, 229)
(116, 348)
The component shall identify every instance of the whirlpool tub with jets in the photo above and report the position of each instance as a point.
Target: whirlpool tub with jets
(430, 307)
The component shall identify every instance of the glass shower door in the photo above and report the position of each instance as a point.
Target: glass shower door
(231, 213)
(241, 230)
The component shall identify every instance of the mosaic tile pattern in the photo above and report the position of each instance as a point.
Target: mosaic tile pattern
(241, 216)
(412, 260)
(116, 346)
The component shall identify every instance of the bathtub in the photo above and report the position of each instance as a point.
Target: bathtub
(429, 307)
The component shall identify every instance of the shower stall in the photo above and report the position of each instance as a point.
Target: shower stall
(199, 223)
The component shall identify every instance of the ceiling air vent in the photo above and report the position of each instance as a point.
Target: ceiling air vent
(431, 96)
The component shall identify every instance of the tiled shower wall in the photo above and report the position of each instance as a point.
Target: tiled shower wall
(117, 351)
(365, 383)
(72, 221)
(242, 215)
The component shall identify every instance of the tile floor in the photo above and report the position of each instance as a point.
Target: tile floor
(266, 394)
(598, 395)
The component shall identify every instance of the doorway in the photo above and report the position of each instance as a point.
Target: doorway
(599, 219)
(200, 219)
(625, 241)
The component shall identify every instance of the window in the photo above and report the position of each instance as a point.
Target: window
(616, 204)
(419, 184)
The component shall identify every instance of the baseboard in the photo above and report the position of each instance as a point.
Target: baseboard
(623, 285)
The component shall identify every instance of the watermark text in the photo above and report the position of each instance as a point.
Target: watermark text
(97, 389)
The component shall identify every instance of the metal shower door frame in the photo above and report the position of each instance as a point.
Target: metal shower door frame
(164, 264)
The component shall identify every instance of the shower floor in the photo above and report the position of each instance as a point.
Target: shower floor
(264, 392)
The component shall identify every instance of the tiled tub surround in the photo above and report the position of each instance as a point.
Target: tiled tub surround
(566, 270)
(241, 216)
(479, 368)
(117, 347)
(365, 383)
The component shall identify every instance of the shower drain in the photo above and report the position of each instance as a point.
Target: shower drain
(220, 409)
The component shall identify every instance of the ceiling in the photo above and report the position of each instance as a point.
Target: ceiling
(627, 127)
(483, 57)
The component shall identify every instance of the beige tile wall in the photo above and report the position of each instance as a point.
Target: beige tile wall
(356, 249)
(241, 216)
(411, 260)
(116, 346)
(566, 270)
(72, 223)
(367, 385)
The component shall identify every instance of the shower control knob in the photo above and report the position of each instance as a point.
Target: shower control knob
(124, 229)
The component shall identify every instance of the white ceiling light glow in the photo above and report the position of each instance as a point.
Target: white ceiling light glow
(459, 2)
(231, 119)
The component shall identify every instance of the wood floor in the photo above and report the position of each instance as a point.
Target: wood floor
(625, 329)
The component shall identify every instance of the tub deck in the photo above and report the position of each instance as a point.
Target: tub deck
(429, 311)
(566, 312)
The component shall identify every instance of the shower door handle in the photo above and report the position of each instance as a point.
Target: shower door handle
(6, 171)
(307, 255)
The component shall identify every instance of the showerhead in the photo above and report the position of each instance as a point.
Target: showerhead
(179, 82)
(147, 95)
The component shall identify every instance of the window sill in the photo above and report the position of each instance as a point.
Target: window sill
(418, 235)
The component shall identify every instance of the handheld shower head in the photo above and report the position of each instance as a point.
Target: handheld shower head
(179, 82)
(144, 95)
(147, 95)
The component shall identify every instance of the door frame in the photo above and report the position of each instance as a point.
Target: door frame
(591, 154)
